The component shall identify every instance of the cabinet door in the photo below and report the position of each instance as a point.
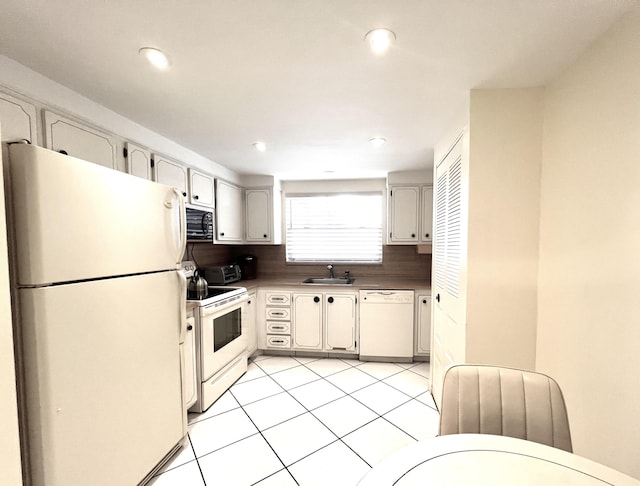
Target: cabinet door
(229, 212)
(259, 215)
(423, 325)
(249, 320)
(18, 120)
(81, 141)
(190, 385)
(403, 218)
(138, 161)
(426, 214)
(170, 173)
(340, 318)
(200, 189)
(307, 321)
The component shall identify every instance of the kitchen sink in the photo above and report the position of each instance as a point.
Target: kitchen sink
(328, 281)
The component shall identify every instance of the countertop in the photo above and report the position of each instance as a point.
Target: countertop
(360, 283)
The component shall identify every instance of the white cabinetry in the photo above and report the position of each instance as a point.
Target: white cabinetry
(263, 216)
(229, 212)
(17, 119)
(78, 140)
(170, 173)
(340, 323)
(249, 322)
(138, 161)
(422, 331)
(277, 318)
(324, 321)
(307, 321)
(426, 214)
(200, 189)
(410, 213)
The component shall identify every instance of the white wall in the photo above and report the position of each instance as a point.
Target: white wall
(589, 277)
(505, 153)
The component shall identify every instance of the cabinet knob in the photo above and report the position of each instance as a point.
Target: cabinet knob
(316, 299)
(221, 234)
(248, 302)
(63, 152)
(413, 235)
(189, 327)
(424, 301)
(330, 300)
(184, 194)
(195, 196)
(426, 235)
(264, 236)
(437, 297)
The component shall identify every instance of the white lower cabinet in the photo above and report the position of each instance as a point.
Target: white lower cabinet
(324, 321)
(422, 331)
(249, 323)
(275, 322)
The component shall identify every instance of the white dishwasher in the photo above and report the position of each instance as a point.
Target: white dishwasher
(386, 324)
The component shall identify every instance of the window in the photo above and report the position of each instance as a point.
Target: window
(334, 228)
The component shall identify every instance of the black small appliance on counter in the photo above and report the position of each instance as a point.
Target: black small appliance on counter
(248, 266)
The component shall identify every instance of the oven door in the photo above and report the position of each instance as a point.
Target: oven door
(222, 339)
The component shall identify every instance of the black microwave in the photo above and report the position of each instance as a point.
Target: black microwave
(199, 224)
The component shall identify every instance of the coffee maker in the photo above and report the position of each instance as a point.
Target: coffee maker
(248, 266)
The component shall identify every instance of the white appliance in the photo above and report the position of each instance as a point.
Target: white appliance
(221, 344)
(100, 307)
(386, 324)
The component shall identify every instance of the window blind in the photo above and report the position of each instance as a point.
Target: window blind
(334, 228)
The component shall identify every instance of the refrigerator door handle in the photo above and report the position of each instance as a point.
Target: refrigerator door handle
(183, 307)
(182, 243)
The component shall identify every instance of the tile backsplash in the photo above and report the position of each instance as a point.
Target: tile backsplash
(398, 261)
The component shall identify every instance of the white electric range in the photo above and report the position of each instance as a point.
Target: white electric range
(221, 345)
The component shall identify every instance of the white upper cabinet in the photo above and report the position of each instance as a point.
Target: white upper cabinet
(201, 189)
(410, 214)
(426, 214)
(259, 215)
(138, 161)
(18, 120)
(170, 173)
(229, 213)
(404, 204)
(78, 140)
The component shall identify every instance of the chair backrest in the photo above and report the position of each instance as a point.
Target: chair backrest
(504, 401)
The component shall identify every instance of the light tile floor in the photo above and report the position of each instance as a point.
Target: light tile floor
(305, 421)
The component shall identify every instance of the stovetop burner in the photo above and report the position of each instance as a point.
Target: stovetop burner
(212, 292)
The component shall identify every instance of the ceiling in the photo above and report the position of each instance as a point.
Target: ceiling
(297, 74)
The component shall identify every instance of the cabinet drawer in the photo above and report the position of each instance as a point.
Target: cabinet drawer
(278, 298)
(279, 314)
(278, 328)
(278, 342)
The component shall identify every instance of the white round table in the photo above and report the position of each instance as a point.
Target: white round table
(477, 459)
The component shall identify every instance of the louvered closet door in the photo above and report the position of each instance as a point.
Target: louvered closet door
(448, 267)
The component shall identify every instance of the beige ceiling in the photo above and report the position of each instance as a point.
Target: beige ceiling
(297, 73)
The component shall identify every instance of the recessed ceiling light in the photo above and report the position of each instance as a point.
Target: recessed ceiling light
(156, 57)
(380, 40)
(260, 146)
(377, 142)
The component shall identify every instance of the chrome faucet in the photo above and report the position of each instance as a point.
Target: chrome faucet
(330, 268)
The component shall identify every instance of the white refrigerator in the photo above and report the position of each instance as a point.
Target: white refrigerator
(100, 307)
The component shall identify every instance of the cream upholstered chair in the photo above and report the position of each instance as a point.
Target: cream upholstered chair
(504, 401)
